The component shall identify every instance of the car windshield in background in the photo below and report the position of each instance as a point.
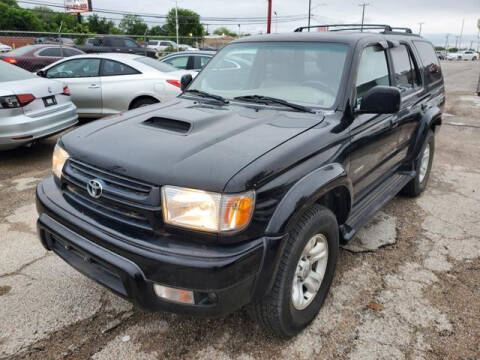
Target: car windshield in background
(12, 73)
(157, 65)
(306, 73)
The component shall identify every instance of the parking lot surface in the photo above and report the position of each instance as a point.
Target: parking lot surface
(417, 298)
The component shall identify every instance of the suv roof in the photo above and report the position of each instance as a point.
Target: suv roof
(346, 33)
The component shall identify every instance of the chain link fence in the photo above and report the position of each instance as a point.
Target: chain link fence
(51, 47)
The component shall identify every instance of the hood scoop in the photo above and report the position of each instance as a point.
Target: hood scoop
(176, 126)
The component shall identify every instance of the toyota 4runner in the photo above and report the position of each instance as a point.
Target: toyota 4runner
(239, 191)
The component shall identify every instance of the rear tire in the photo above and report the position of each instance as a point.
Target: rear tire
(418, 184)
(283, 312)
(143, 102)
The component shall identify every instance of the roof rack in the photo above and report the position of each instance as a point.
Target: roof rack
(348, 27)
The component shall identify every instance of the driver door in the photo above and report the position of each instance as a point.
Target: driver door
(82, 77)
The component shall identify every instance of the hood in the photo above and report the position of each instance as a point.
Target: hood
(185, 143)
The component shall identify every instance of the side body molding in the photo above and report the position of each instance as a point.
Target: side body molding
(306, 192)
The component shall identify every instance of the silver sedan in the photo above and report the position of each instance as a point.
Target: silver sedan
(31, 107)
(106, 84)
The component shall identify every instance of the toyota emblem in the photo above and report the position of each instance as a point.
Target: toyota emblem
(94, 188)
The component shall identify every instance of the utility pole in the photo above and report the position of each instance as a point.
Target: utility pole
(176, 20)
(456, 42)
(309, 13)
(420, 28)
(446, 43)
(269, 17)
(461, 34)
(363, 5)
(239, 31)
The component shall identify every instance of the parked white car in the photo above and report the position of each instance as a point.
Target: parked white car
(161, 45)
(186, 47)
(106, 84)
(4, 48)
(31, 107)
(463, 55)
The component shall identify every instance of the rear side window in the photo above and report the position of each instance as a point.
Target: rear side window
(433, 71)
(112, 68)
(71, 52)
(53, 52)
(180, 62)
(406, 76)
(373, 70)
(76, 68)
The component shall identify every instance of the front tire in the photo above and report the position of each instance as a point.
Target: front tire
(305, 274)
(423, 166)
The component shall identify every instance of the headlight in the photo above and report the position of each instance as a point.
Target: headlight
(59, 158)
(206, 211)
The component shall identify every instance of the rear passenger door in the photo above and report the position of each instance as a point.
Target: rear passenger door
(406, 77)
(116, 78)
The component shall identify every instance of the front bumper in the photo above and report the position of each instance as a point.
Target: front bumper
(223, 278)
(35, 127)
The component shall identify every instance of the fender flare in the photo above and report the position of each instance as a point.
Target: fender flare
(305, 192)
(430, 118)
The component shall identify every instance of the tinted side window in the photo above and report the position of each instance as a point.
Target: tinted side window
(71, 52)
(430, 61)
(111, 68)
(75, 68)
(200, 62)
(54, 52)
(117, 42)
(372, 71)
(406, 76)
(130, 43)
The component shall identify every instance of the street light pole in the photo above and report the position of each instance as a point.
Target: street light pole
(363, 5)
(420, 28)
(176, 20)
(276, 21)
(461, 34)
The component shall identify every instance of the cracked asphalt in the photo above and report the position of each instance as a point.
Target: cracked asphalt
(417, 297)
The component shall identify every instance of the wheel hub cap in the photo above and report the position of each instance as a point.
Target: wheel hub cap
(310, 271)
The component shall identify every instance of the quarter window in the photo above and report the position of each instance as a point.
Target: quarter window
(406, 76)
(76, 68)
(112, 68)
(130, 43)
(372, 71)
(430, 61)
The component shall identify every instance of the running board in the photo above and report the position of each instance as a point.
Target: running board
(368, 206)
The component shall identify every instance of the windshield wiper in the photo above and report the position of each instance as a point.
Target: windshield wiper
(261, 99)
(207, 95)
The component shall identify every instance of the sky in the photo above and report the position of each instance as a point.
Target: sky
(439, 16)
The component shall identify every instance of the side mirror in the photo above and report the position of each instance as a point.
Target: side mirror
(185, 81)
(41, 73)
(381, 100)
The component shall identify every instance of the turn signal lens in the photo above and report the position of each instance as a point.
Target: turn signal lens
(59, 158)
(10, 60)
(237, 212)
(66, 90)
(175, 295)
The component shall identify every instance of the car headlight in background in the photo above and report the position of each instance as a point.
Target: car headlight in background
(206, 211)
(59, 158)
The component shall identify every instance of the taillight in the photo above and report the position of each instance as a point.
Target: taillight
(25, 99)
(174, 83)
(66, 90)
(10, 60)
(15, 101)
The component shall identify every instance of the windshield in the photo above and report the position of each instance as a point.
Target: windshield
(12, 73)
(306, 73)
(157, 65)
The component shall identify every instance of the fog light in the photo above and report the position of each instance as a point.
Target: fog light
(172, 294)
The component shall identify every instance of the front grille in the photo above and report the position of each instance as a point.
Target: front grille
(123, 199)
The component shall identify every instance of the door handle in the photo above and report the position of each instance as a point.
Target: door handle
(93, 86)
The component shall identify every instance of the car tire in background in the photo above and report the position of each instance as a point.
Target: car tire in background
(279, 312)
(423, 166)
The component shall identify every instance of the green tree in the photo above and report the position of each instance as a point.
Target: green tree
(158, 31)
(133, 24)
(12, 17)
(99, 25)
(189, 25)
(224, 31)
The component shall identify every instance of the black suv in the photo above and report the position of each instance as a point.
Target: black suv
(239, 191)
